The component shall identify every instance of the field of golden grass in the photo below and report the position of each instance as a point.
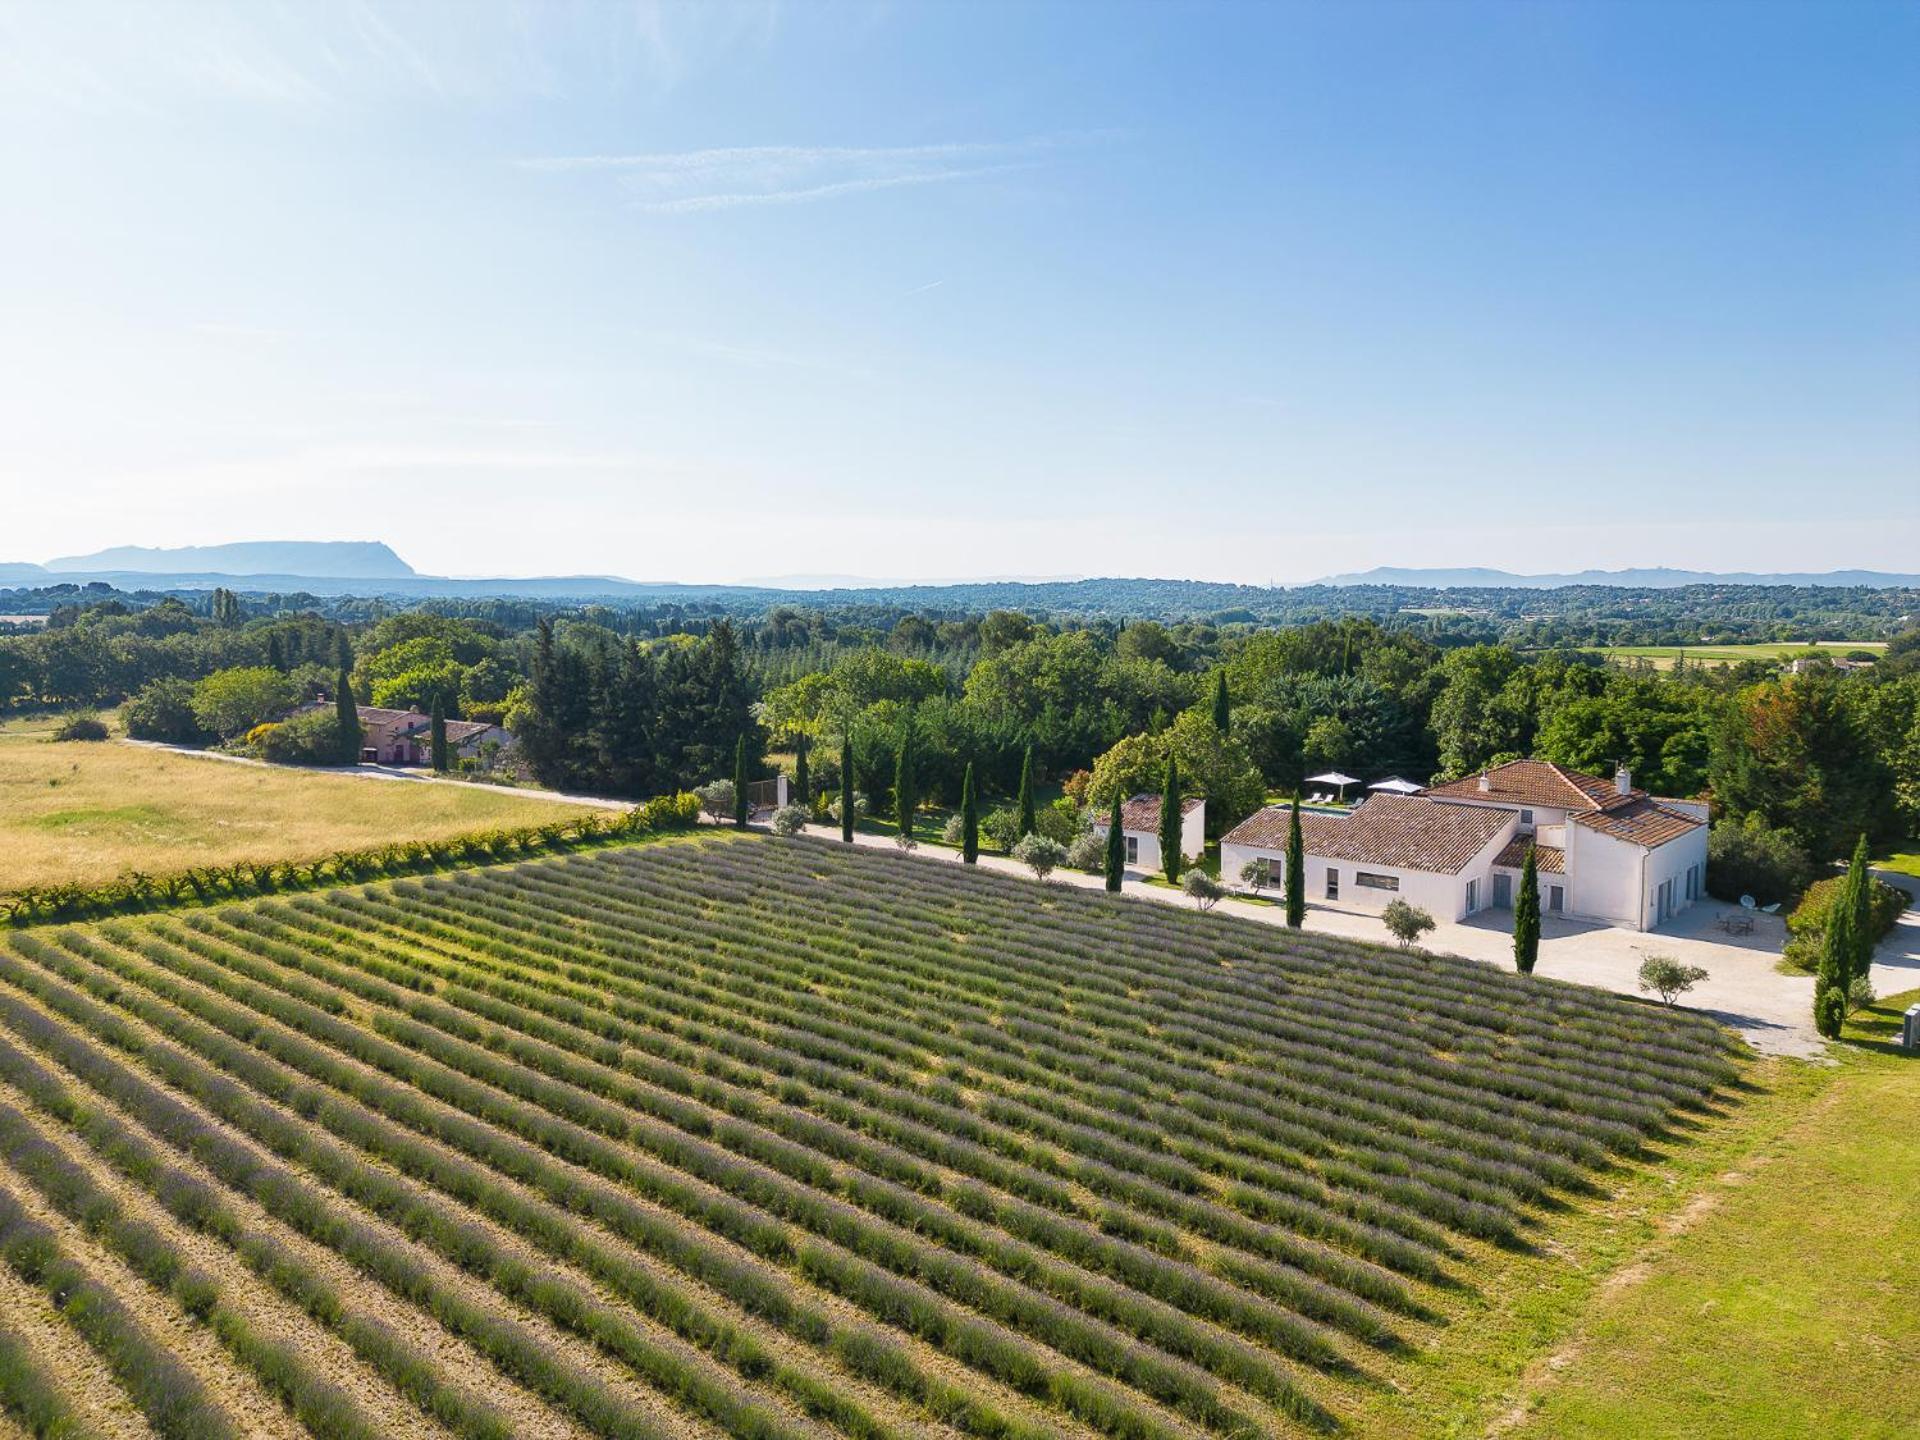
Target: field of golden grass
(85, 812)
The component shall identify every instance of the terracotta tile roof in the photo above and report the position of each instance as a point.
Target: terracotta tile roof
(1142, 812)
(1533, 782)
(1639, 821)
(458, 731)
(1405, 832)
(1547, 859)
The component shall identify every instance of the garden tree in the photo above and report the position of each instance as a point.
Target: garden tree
(437, 734)
(1254, 875)
(741, 805)
(848, 812)
(1148, 640)
(1484, 711)
(226, 608)
(1526, 916)
(231, 702)
(1795, 751)
(826, 699)
(719, 799)
(1296, 877)
(1214, 766)
(1745, 857)
(1116, 856)
(1846, 949)
(1328, 744)
(1003, 629)
(1040, 854)
(1660, 730)
(903, 797)
(1406, 923)
(346, 717)
(1201, 888)
(1668, 977)
(1025, 800)
(969, 820)
(1222, 705)
(802, 782)
(163, 710)
(1170, 857)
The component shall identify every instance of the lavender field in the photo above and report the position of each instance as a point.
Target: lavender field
(759, 1138)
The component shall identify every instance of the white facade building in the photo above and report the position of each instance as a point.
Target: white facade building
(1140, 827)
(1603, 850)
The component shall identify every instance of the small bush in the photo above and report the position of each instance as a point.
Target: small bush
(1666, 976)
(1406, 923)
(1807, 925)
(791, 819)
(859, 806)
(81, 727)
(1202, 888)
(952, 831)
(312, 738)
(1088, 852)
(716, 798)
(1040, 854)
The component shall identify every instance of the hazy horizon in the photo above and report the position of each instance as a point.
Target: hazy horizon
(1240, 293)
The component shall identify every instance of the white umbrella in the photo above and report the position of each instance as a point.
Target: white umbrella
(1394, 785)
(1334, 777)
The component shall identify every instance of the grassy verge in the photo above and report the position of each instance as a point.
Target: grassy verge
(1777, 1302)
(1906, 859)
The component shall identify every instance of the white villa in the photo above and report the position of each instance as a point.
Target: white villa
(1140, 824)
(1604, 850)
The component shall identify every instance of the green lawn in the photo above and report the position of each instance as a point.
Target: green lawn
(1906, 859)
(1780, 1303)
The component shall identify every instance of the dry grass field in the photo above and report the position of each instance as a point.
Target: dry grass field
(84, 812)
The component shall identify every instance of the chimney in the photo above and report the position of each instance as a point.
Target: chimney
(1623, 779)
(1486, 782)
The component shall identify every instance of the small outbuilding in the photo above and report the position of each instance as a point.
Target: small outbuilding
(1140, 825)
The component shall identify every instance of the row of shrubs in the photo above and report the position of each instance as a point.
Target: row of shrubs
(1807, 925)
(137, 892)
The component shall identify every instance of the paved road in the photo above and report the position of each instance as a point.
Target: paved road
(1743, 988)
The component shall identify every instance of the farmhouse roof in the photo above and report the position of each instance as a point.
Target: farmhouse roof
(1142, 812)
(1547, 859)
(1640, 821)
(1532, 782)
(1403, 832)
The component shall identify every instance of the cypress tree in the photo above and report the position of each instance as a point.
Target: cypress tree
(347, 717)
(1296, 869)
(1859, 895)
(969, 820)
(1846, 949)
(903, 803)
(438, 734)
(1027, 822)
(276, 657)
(846, 789)
(1116, 865)
(1222, 705)
(802, 782)
(740, 782)
(1170, 856)
(1526, 917)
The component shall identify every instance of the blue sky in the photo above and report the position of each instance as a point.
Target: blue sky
(1250, 292)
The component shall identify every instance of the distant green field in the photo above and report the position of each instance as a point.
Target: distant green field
(1663, 656)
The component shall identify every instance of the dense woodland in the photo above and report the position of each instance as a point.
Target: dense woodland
(644, 700)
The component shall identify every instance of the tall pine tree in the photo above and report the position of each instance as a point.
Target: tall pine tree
(740, 806)
(1526, 917)
(1222, 705)
(969, 820)
(1296, 869)
(1027, 822)
(1170, 857)
(903, 797)
(1116, 859)
(846, 789)
(437, 734)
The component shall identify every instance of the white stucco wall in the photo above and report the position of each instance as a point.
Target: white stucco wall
(1442, 896)
(1193, 837)
(1619, 882)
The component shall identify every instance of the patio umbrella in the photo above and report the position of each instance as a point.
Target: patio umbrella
(1394, 785)
(1334, 777)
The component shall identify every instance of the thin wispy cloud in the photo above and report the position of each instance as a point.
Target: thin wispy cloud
(727, 178)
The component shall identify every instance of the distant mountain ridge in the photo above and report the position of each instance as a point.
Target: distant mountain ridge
(1658, 578)
(331, 559)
